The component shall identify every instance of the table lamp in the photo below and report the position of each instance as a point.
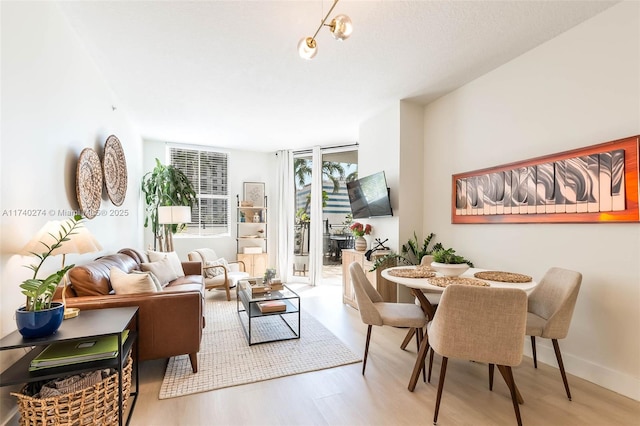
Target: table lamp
(172, 215)
(79, 242)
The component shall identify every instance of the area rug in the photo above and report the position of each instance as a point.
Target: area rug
(225, 358)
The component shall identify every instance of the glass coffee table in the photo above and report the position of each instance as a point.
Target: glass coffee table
(266, 324)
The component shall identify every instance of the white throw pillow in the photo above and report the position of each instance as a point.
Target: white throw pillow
(155, 279)
(214, 272)
(124, 283)
(174, 260)
(162, 269)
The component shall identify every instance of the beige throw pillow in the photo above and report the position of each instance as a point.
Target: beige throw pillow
(155, 279)
(124, 283)
(174, 260)
(162, 270)
(214, 272)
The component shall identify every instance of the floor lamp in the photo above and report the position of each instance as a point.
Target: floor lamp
(81, 241)
(172, 215)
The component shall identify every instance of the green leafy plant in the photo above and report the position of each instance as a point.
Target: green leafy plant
(448, 256)
(269, 274)
(165, 185)
(412, 252)
(40, 292)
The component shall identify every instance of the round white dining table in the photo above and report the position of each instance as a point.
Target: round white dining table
(420, 285)
(423, 283)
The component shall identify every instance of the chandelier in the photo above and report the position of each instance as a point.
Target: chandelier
(340, 27)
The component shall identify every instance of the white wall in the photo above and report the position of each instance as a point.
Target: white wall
(392, 141)
(243, 166)
(54, 104)
(378, 150)
(579, 89)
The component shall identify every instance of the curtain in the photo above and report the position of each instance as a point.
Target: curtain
(285, 222)
(315, 230)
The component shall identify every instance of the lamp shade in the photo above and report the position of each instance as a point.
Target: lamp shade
(307, 48)
(79, 242)
(341, 27)
(170, 215)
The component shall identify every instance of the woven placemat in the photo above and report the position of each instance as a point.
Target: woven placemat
(419, 272)
(445, 281)
(503, 277)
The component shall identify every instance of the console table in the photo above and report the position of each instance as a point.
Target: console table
(89, 324)
(386, 288)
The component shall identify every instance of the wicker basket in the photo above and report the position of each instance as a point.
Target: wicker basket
(95, 405)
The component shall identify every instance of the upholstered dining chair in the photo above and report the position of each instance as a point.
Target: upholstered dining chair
(550, 309)
(218, 272)
(373, 311)
(481, 324)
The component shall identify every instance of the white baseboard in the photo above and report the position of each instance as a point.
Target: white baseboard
(11, 418)
(600, 375)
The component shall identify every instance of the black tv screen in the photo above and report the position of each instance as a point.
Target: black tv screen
(369, 196)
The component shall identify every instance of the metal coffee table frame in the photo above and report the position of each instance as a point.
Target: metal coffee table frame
(249, 305)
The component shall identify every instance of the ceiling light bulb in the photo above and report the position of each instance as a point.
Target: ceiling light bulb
(341, 27)
(307, 48)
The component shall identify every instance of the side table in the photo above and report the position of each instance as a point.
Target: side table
(90, 323)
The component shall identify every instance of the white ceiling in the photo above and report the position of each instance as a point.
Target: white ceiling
(227, 73)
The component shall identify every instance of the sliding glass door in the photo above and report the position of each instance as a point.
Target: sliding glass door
(321, 223)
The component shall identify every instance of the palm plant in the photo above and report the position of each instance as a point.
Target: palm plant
(333, 172)
(165, 185)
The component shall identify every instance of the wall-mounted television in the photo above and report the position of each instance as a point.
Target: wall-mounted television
(369, 196)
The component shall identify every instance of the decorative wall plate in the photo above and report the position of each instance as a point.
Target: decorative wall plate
(114, 167)
(89, 183)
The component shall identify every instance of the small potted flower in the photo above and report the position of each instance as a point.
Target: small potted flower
(359, 231)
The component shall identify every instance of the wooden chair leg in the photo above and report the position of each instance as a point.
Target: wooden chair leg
(227, 289)
(503, 371)
(533, 350)
(419, 337)
(366, 349)
(422, 354)
(443, 371)
(430, 365)
(508, 378)
(491, 368)
(407, 338)
(556, 348)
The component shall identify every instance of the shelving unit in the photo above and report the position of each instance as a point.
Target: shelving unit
(90, 323)
(251, 237)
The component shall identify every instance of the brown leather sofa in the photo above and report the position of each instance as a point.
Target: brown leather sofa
(170, 321)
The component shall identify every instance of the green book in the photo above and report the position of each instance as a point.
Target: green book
(77, 351)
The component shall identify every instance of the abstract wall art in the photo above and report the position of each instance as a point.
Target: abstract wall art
(598, 183)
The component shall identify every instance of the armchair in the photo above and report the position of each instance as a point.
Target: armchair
(218, 272)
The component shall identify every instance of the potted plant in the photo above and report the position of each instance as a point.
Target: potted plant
(41, 316)
(412, 252)
(448, 263)
(359, 231)
(165, 186)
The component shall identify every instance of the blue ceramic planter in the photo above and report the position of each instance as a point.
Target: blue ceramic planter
(39, 323)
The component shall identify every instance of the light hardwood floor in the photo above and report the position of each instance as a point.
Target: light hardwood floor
(342, 396)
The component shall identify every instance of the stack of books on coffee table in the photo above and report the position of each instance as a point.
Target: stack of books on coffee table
(269, 306)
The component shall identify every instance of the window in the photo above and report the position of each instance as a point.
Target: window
(207, 171)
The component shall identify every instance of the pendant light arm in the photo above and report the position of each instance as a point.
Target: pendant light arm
(335, 2)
